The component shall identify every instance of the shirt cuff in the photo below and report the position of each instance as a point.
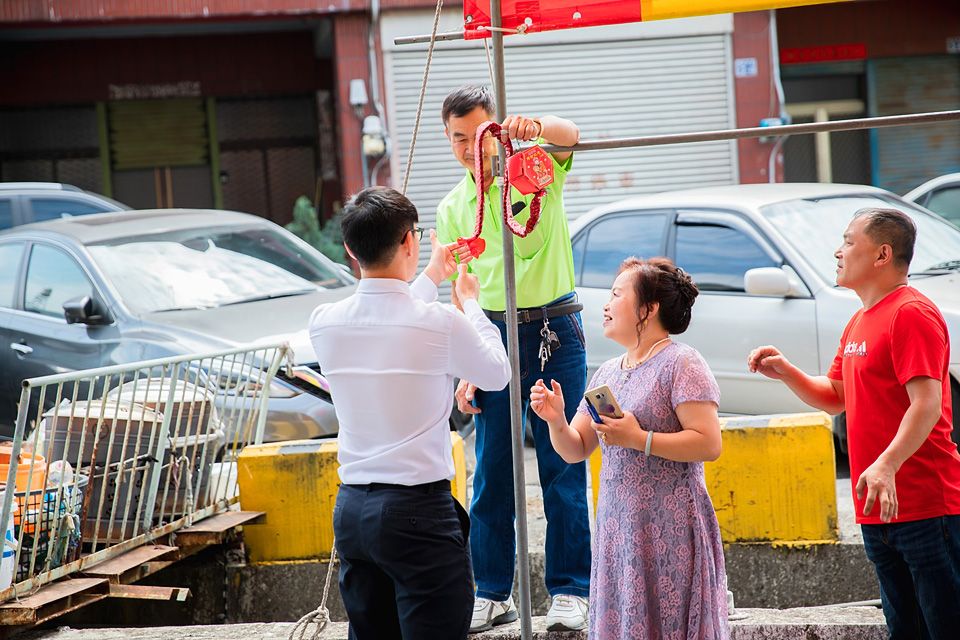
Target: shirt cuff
(423, 288)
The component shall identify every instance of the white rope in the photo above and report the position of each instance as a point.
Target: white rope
(321, 615)
(423, 92)
(486, 48)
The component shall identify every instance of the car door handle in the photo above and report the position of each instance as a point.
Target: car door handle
(22, 349)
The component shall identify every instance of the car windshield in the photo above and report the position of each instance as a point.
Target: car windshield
(815, 227)
(211, 267)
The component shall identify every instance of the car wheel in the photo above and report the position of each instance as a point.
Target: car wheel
(840, 432)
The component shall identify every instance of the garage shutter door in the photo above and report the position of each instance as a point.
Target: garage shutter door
(908, 156)
(610, 89)
(158, 133)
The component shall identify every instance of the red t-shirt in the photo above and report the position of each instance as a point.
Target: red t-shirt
(900, 338)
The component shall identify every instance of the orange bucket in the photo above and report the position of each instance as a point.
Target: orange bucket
(26, 460)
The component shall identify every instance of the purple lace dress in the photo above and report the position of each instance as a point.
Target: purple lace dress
(658, 569)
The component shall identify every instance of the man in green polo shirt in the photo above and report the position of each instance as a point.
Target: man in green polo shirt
(547, 303)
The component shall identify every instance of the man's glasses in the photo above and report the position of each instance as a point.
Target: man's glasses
(418, 231)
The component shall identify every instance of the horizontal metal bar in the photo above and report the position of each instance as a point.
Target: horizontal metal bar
(762, 132)
(93, 559)
(447, 35)
(145, 364)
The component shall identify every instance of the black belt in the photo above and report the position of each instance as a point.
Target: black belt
(536, 313)
(430, 487)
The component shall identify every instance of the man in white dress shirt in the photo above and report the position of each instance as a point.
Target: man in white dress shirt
(390, 353)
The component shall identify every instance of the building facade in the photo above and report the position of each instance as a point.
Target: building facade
(248, 105)
(872, 59)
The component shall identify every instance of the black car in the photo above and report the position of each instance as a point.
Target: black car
(114, 288)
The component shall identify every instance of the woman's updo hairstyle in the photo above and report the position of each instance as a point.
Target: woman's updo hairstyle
(659, 280)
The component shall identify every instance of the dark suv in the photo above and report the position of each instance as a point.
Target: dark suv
(24, 202)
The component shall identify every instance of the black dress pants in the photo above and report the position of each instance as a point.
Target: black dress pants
(405, 568)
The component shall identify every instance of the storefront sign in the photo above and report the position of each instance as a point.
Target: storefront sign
(183, 89)
(824, 53)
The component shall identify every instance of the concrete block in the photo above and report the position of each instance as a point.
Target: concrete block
(794, 575)
(813, 623)
(295, 483)
(776, 479)
(284, 591)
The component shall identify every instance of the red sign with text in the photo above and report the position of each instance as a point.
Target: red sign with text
(531, 16)
(823, 53)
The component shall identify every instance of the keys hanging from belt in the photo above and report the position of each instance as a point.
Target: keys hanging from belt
(549, 342)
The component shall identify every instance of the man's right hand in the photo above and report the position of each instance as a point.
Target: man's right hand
(464, 396)
(467, 286)
(768, 361)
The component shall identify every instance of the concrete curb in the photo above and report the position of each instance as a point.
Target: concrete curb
(861, 623)
(760, 575)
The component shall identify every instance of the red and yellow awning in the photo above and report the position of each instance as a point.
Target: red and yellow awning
(531, 16)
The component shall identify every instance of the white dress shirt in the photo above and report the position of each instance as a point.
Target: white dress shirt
(390, 353)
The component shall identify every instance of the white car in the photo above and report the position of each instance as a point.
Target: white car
(940, 195)
(763, 258)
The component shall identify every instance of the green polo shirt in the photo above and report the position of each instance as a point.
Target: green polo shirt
(543, 260)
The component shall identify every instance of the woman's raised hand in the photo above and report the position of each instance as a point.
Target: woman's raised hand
(547, 402)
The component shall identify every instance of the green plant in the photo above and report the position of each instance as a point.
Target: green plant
(326, 239)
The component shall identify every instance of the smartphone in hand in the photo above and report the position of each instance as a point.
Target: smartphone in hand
(602, 402)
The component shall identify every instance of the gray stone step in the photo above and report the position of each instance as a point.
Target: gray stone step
(815, 623)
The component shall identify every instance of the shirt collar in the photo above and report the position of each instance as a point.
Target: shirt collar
(471, 186)
(383, 285)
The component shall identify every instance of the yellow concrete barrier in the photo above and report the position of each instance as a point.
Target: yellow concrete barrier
(295, 483)
(774, 482)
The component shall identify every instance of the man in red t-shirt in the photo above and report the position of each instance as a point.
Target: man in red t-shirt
(890, 376)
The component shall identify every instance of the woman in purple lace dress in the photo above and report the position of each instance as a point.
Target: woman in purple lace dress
(658, 569)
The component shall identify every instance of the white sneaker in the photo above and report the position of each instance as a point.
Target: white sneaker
(567, 612)
(489, 613)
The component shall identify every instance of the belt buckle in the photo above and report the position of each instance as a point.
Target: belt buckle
(523, 316)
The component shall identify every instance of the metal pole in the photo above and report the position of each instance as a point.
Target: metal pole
(513, 349)
(762, 132)
(449, 35)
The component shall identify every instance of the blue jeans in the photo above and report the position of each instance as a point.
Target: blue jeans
(492, 515)
(918, 566)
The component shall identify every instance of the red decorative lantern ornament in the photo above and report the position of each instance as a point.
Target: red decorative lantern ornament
(530, 170)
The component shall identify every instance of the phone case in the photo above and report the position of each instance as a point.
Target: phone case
(603, 402)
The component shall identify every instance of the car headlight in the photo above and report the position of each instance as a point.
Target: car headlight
(246, 380)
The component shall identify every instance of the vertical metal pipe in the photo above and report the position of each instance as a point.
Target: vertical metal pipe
(161, 453)
(513, 347)
(822, 147)
(6, 511)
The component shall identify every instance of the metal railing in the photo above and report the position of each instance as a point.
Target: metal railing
(108, 459)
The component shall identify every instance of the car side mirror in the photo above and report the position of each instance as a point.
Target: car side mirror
(84, 310)
(767, 281)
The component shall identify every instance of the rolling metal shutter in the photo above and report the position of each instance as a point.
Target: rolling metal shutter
(267, 154)
(609, 87)
(57, 144)
(904, 157)
(158, 133)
